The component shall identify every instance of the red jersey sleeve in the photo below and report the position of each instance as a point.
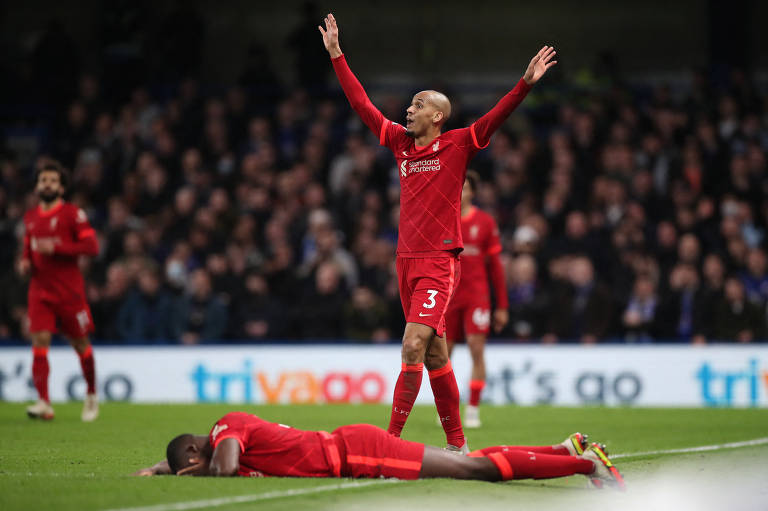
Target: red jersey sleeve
(482, 129)
(83, 240)
(390, 134)
(232, 425)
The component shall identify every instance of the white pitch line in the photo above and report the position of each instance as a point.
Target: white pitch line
(224, 501)
(702, 448)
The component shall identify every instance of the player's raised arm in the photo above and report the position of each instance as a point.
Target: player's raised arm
(354, 91)
(484, 127)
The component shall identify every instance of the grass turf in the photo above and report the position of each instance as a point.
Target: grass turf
(66, 464)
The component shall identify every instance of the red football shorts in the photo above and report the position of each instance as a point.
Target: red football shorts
(426, 287)
(74, 319)
(467, 317)
(370, 452)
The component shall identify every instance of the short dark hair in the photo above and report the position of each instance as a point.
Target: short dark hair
(50, 165)
(176, 452)
(474, 180)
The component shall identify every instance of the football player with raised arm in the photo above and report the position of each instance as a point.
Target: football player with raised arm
(432, 165)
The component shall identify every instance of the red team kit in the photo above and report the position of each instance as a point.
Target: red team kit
(469, 311)
(431, 180)
(57, 288)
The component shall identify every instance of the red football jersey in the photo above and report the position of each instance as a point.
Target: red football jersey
(56, 277)
(481, 241)
(269, 449)
(431, 177)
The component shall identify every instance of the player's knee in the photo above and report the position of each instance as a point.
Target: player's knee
(414, 348)
(80, 344)
(435, 360)
(41, 339)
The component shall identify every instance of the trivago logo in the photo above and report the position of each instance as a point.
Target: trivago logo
(734, 386)
(251, 386)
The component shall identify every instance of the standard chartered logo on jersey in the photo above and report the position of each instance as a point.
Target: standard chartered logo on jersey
(417, 167)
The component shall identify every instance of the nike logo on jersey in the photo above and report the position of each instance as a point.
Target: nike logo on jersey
(405, 153)
(421, 314)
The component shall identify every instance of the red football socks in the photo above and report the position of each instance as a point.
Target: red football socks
(531, 465)
(446, 392)
(554, 450)
(476, 391)
(40, 370)
(406, 391)
(89, 368)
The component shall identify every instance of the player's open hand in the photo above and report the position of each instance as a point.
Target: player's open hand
(540, 64)
(331, 36)
(144, 472)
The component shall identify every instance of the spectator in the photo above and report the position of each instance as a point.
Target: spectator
(199, 315)
(710, 294)
(679, 309)
(365, 317)
(320, 312)
(106, 301)
(257, 315)
(639, 316)
(755, 278)
(581, 308)
(736, 319)
(144, 314)
(527, 302)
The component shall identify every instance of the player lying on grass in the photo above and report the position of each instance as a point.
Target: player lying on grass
(246, 445)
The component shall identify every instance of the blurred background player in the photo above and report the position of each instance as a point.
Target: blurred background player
(469, 313)
(432, 167)
(56, 233)
(241, 444)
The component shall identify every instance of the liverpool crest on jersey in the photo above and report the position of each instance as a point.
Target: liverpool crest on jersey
(435, 146)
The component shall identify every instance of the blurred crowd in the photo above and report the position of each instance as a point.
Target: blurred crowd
(627, 213)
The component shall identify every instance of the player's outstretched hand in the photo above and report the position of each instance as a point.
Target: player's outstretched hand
(331, 36)
(540, 64)
(159, 468)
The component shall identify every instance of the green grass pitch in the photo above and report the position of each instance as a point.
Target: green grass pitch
(67, 465)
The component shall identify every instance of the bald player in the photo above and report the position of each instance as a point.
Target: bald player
(432, 166)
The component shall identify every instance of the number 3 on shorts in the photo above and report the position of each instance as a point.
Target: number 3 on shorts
(430, 300)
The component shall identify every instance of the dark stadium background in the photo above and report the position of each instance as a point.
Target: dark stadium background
(212, 149)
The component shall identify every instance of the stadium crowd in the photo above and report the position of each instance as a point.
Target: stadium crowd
(627, 213)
